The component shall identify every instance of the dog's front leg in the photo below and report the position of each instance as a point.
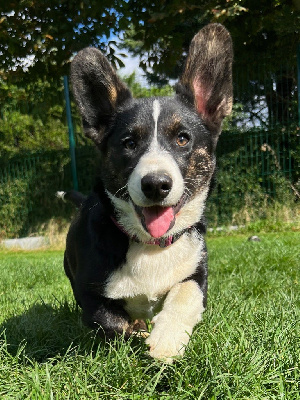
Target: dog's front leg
(173, 326)
(106, 315)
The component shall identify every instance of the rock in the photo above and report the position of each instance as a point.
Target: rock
(254, 239)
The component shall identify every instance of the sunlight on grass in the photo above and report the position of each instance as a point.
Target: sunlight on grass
(246, 347)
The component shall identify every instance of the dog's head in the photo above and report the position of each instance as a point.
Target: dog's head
(157, 154)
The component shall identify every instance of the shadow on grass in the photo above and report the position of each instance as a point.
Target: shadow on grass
(45, 331)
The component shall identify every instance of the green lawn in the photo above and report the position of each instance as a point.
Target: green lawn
(246, 347)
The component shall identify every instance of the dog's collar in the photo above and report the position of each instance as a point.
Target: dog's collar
(161, 242)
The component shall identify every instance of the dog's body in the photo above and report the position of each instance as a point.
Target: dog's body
(136, 249)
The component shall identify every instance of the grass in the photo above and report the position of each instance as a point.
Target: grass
(246, 347)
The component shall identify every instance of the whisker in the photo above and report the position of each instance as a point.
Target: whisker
(192, 184)
(188, 192)
(191, 179)
(122, 188)
(94, 205)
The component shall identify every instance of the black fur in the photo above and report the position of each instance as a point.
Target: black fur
(94, 240)
(73, 196)
(122, 128)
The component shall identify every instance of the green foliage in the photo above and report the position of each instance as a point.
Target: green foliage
(33, 117)
(256, 166)
(28, 184)
(160, 32)
(13, 211)
(19, 132)
(139, 91)
(38, 39)
(27, 193)
(43, 36)
(252, 181)
(246, 347)
(237, 117)
(241, 196)
(34, 97)
(240, 199)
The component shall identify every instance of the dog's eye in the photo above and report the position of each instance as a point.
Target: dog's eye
(129, 144)
(182, 139)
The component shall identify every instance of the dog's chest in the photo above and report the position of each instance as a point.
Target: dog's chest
(150, 272)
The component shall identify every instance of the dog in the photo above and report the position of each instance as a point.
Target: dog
(136, 249)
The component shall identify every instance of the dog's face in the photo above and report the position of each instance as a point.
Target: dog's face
(158, 153)
(157, 158)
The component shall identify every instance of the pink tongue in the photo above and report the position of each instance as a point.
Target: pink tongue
(158, 220)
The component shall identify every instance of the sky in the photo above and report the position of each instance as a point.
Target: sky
(132, 65)
(131, 62)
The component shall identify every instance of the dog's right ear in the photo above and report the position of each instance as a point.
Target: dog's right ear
(207, 78)
(98, 91)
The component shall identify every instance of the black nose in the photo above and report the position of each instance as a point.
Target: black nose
(156, 187)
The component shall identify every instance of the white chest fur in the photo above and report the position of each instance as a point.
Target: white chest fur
(150, 272)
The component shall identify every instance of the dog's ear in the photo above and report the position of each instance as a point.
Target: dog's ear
(207, 77)
(98, 91)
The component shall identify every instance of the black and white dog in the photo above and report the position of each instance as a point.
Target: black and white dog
(136, 249)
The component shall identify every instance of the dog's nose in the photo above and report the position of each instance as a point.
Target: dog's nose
(156, 187)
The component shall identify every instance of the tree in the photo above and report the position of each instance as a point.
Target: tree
(44, 35)
(33, 117)
(161, 31)
(48, 34)
(138, 91)
(265, 35)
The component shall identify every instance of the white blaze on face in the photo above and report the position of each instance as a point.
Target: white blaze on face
(156, 111)
(156, 160)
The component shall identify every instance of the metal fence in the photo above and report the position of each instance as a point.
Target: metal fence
(248, 164)
(258, 155)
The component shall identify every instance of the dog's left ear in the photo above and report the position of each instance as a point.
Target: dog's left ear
(207, 77)
(98, 91)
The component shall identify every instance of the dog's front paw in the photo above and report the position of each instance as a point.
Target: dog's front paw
(137, 328)
(167, 341)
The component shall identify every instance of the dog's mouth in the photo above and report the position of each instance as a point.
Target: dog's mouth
(158, 220)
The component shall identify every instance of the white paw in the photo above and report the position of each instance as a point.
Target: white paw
(167, 341)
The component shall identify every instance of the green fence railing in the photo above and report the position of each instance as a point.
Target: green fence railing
(252, 164)
(258, 154)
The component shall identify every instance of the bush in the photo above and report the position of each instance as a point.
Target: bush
(28, 187)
